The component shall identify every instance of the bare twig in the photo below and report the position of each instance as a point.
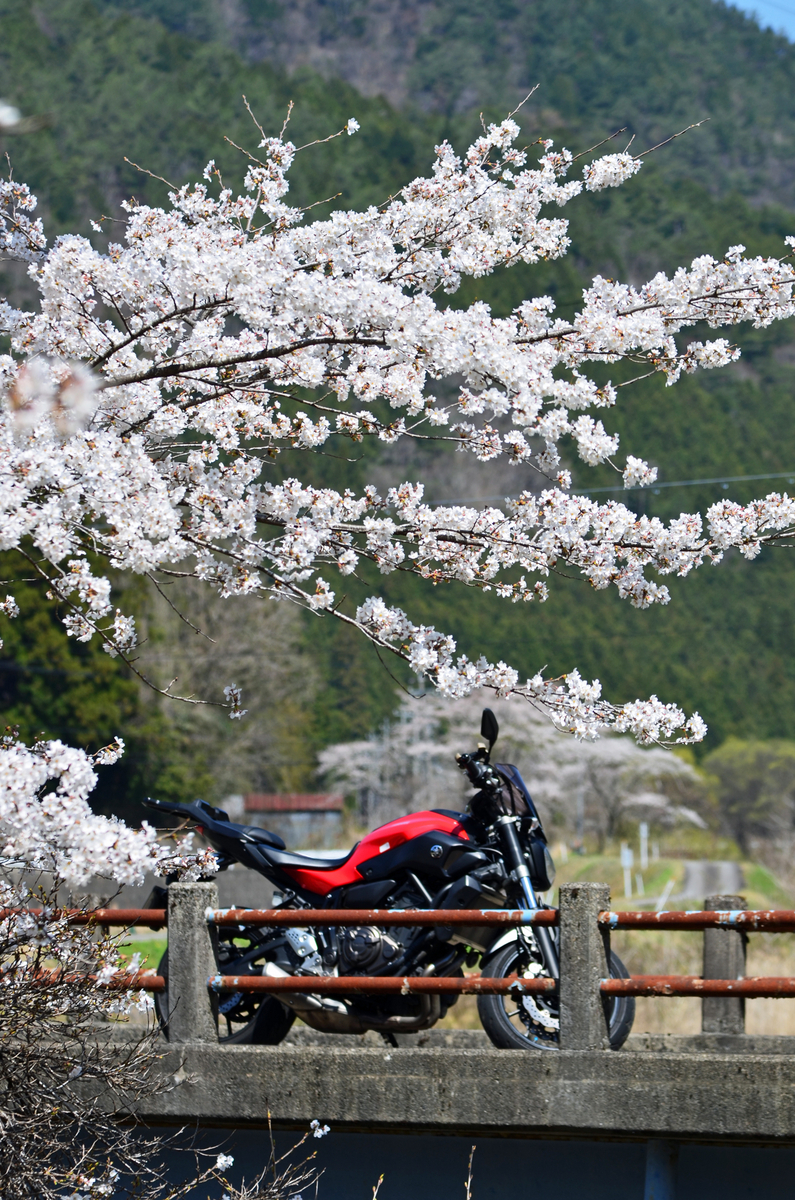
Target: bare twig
(181, 615)
(145, 171)
(469, 1174)
(522, 103)
(673, 137)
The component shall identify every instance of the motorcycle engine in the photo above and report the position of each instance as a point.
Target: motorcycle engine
(363, 948)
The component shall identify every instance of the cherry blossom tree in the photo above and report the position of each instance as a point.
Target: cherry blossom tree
(68, 1090)
(63, 1083)
(148, 389)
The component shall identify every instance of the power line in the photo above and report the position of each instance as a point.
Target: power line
(724, 480)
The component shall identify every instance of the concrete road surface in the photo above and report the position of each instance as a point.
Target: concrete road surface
(706, 878)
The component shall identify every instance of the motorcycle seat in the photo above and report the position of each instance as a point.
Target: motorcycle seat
(217, 821)
(328, 861)
(253, 833)
(248, 833)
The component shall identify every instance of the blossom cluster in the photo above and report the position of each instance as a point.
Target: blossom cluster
(147, 393)
(39, 942)
(46, 822)
(573, 704)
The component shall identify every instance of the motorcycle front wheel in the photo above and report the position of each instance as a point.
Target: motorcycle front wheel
(533, 1022)
(244, 1018)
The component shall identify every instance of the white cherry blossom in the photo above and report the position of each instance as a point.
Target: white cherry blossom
(610, 171)
(46, 822)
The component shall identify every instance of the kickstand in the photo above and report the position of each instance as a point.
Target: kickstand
(390, 1039)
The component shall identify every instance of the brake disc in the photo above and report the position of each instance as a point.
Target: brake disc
(538, 1015)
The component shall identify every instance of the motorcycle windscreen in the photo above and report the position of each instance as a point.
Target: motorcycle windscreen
(520, 798)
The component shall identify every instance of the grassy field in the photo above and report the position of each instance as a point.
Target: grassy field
(761, 889)
(670, 953)
(151, 947)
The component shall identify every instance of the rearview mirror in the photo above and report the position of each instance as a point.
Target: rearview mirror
(489, 729)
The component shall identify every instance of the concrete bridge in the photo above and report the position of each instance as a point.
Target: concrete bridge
(667, 1116)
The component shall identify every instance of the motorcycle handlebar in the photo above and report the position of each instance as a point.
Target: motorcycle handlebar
(480, 773)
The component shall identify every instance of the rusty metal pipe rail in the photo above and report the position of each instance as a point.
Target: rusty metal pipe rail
(124, 980)
(750, 987)
(478, 985)
(134, 980)
(155, 918)
(473, 985)
(138, 979)
(224, 917)
(770, 920)
(404, 985)
(773, 920)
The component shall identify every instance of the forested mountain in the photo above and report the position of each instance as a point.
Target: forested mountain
(651, 65)
(159, 82)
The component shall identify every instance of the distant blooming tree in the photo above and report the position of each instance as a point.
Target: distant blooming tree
(583, 785)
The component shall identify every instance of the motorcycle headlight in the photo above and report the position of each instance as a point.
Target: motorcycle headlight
(549, 863)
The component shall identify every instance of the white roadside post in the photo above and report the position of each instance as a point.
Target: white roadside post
(627, 862)
(644, 845)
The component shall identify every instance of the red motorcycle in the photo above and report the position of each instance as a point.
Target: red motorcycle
(494, 855)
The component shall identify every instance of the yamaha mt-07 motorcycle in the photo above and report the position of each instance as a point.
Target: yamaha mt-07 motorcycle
(493, 856)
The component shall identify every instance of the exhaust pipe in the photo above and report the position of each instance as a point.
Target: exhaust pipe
(300, 1001)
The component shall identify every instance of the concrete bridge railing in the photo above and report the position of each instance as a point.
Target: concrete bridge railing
(718, 1106)
(584, 942)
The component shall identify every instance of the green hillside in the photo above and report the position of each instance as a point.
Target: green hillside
(652, 65)
(160, 82)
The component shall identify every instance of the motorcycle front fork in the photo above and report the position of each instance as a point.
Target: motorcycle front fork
(520, 873)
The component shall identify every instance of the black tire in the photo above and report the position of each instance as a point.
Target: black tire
(531, 1022)
(254, 1020)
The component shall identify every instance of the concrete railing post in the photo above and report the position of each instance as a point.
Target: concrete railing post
(191, 961)
(724, 958)
(584, 959)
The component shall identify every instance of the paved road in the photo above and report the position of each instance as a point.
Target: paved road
(706, 878)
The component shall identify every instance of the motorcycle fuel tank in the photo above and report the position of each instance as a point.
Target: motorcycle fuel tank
(389, 837)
